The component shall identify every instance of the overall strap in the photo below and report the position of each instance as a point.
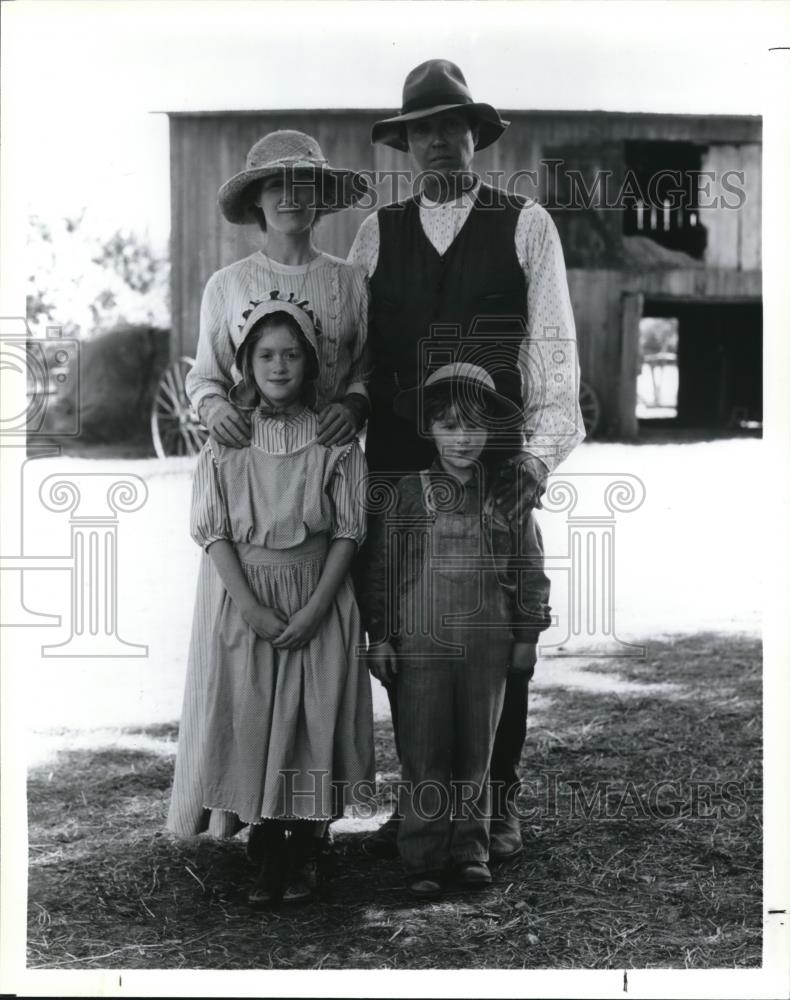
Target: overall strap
(425, 482)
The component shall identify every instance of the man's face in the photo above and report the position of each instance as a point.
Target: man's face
(443, 143)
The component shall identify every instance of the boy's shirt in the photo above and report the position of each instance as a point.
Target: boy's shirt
(517, 550)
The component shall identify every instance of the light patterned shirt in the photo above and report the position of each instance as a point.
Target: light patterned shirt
(555, 426)
(337, 294)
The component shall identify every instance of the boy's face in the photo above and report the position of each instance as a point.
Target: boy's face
(458, 442)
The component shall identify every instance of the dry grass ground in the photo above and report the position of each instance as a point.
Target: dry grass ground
(605, 882)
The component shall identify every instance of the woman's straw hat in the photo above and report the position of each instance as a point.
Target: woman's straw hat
(299, 155)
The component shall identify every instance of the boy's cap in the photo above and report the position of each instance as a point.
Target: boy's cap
(470, 384)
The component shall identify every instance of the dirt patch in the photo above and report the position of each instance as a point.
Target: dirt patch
(641, 818)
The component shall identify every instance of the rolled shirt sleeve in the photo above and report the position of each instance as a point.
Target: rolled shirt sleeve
(347, 491)
(553, 420)
(211, 375)
(359, 370)
(208, 521)
(365, 248)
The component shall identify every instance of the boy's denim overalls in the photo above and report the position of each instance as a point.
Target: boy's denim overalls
(449, 705)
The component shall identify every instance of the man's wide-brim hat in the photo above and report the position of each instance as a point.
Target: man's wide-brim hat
(472, 392)
(432, 87)
(299, 155)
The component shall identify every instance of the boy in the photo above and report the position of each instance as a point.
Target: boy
(455, 598)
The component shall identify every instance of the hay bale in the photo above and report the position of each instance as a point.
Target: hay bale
(118, 372)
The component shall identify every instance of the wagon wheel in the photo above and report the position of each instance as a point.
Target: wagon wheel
(175, 427)
(590, 407)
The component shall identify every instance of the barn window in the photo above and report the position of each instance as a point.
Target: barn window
(660, 194)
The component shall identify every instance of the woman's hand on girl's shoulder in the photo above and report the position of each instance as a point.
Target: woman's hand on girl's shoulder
(268, 623)
(225, 423)
(337, 425)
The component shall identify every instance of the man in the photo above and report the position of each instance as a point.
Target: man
(471, 271)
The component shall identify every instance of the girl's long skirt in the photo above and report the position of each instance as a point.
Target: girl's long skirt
(269, 733)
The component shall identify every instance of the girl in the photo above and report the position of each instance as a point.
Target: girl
(277, 727)
(455, 600)
(286, 186)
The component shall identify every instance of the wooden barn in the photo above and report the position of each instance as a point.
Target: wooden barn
(659, 217)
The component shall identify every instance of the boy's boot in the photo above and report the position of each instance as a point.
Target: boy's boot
(383, 843)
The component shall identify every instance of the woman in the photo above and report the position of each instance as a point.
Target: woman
(286, 185)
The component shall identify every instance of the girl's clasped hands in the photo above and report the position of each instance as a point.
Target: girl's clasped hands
(283, 632)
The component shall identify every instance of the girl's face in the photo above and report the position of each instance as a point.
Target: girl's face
(278, 365)
(458, 442)
(287, 206)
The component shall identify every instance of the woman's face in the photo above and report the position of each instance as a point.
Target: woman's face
(278, 365)
(287, 205)
(458, 443)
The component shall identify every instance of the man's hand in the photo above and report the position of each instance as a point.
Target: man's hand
(382, 662)
(336, 425)
(301, 628)
(523, 657)
(224, 422)
(519, 485)
(268, 623)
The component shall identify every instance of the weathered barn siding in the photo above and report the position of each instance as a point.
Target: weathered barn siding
(208, 148)
(734, 233)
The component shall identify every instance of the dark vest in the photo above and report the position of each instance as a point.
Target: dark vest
(429, 309)
(467, 305)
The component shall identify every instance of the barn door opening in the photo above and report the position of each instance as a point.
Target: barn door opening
(632, 307)
(657, 381)
(701, 366)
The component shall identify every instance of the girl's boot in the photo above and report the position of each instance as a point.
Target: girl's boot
(302, 882)
(268, 886)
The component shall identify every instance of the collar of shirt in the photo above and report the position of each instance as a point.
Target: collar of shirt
(443, 221)
(282, 433)
(466, 200)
